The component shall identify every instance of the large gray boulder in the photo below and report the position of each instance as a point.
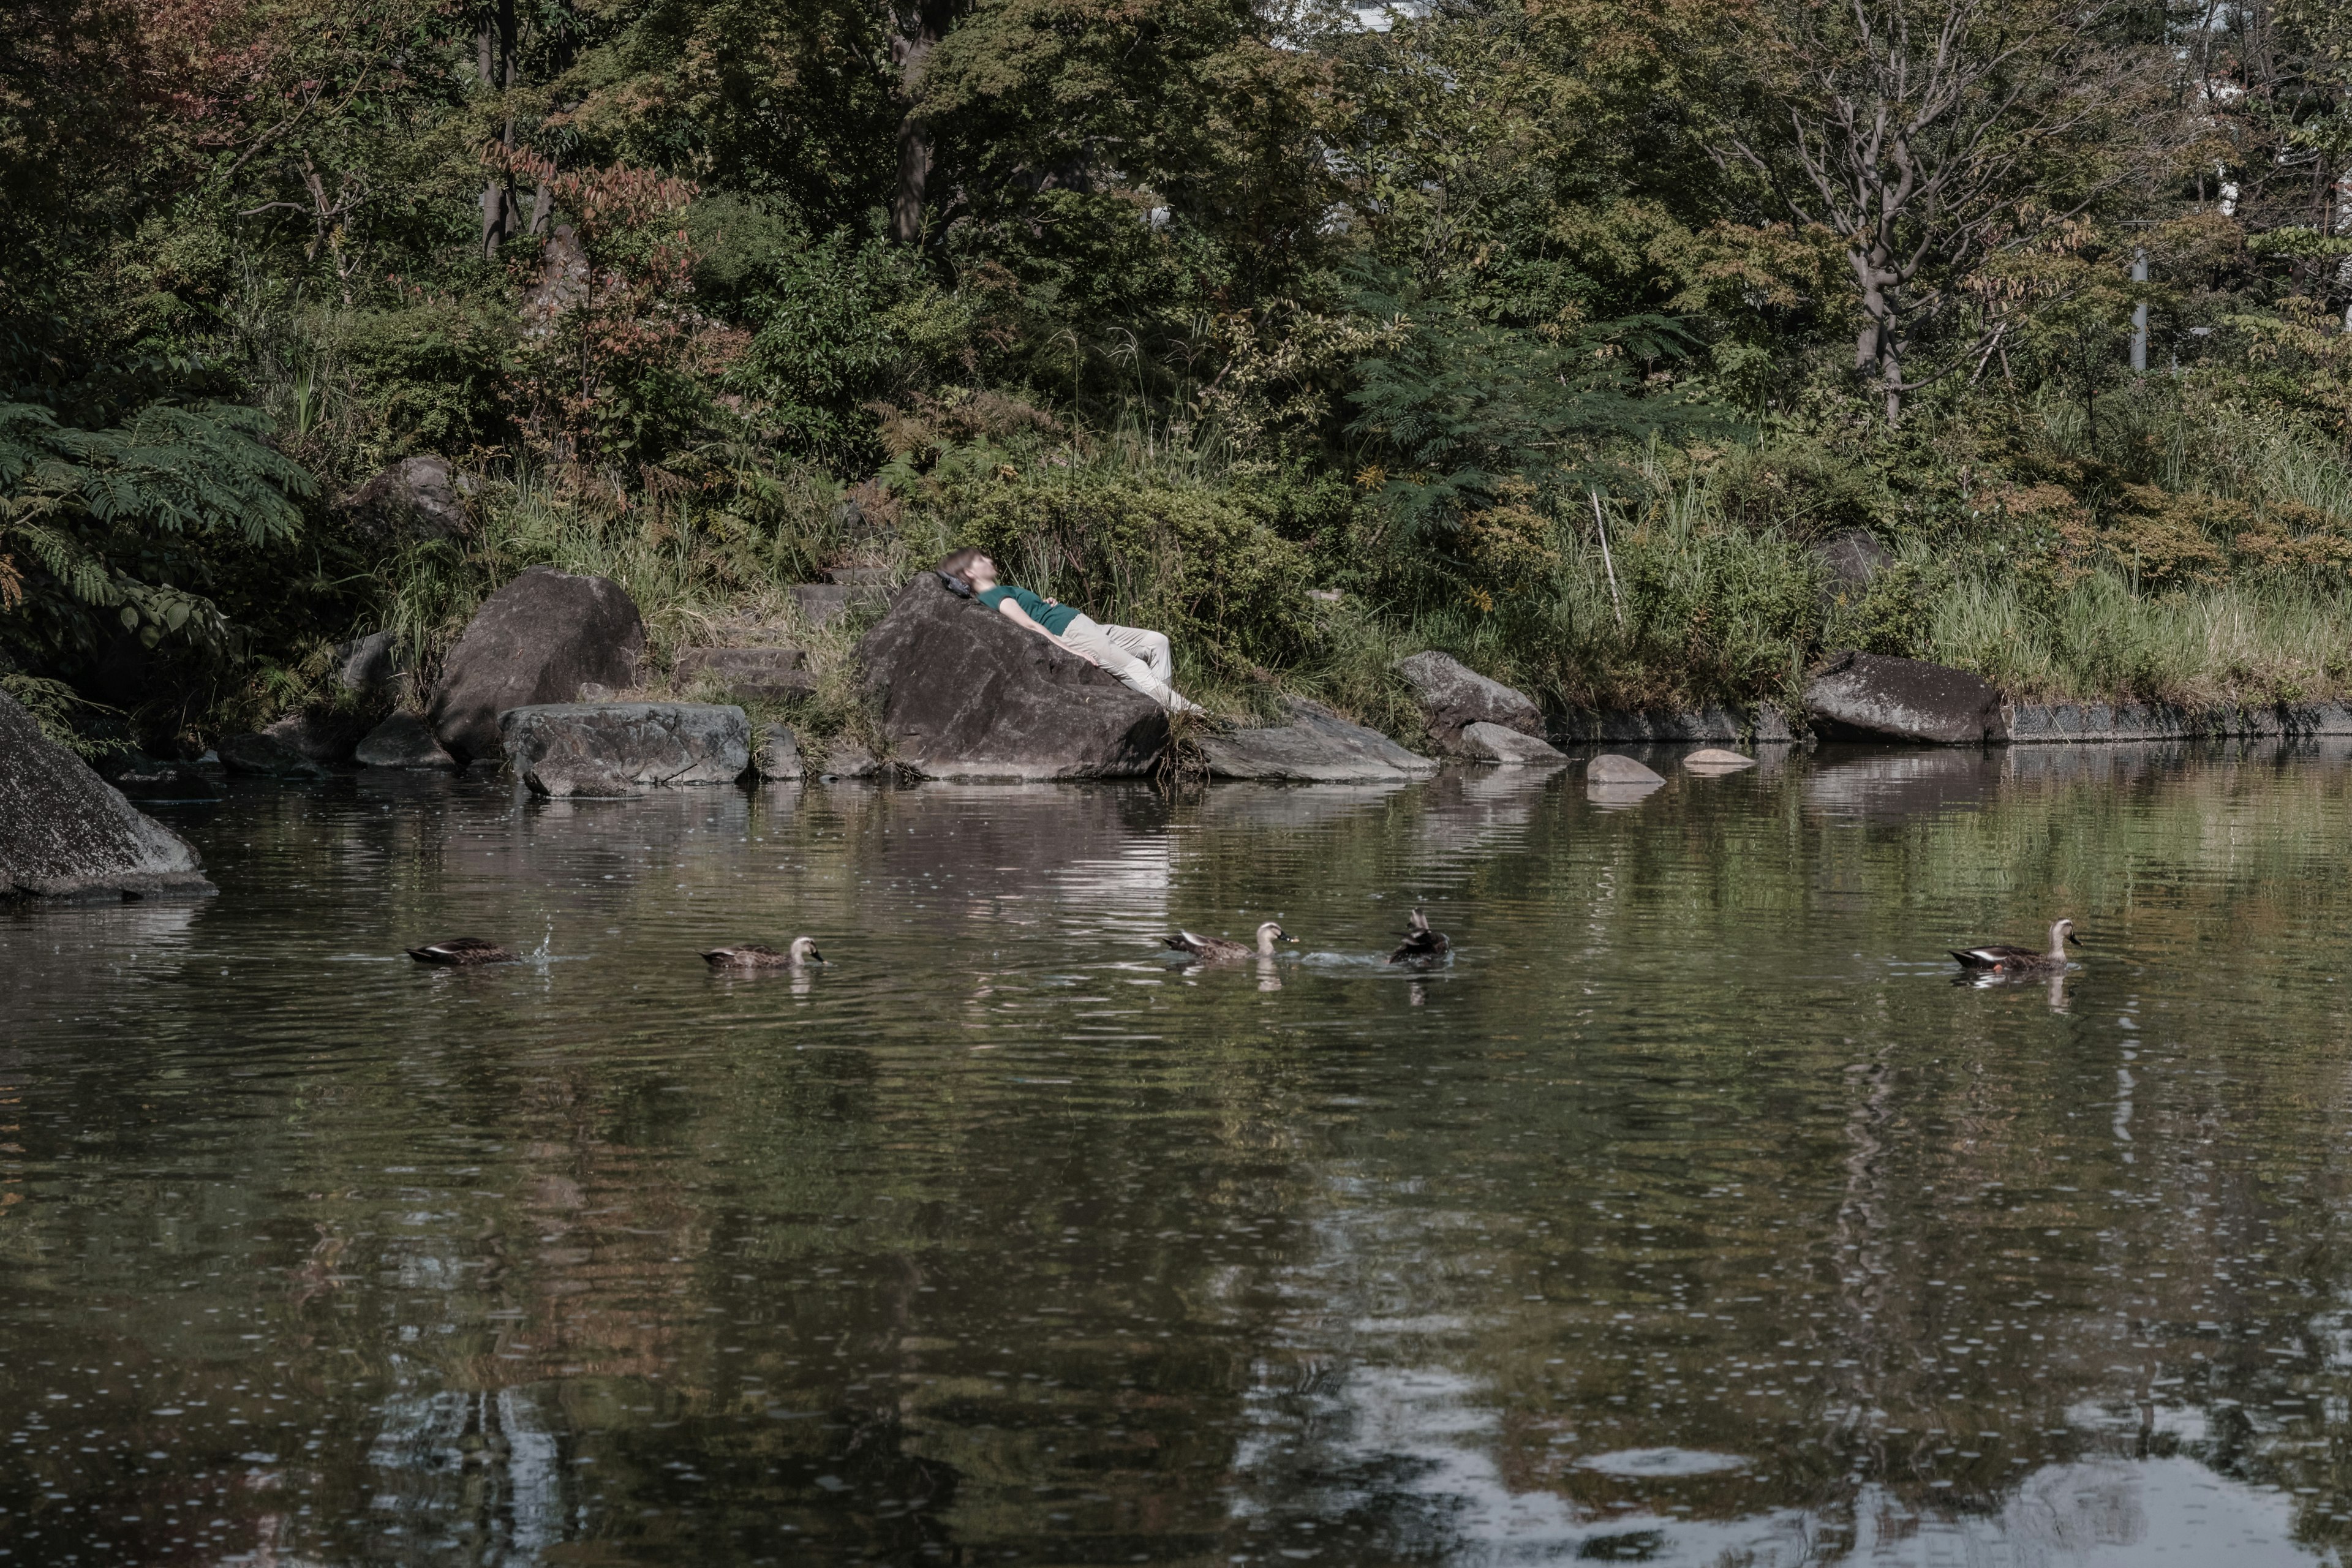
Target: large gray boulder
(1453, 697)
(1316, 746)
(1874, 695)
(65, 833)
(621, 748)
(416, 498)
(963, 693)
(535, 641)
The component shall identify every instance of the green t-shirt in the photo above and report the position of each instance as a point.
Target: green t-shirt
(1054, 619)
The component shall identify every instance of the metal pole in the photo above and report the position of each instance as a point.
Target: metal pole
(2140, 316)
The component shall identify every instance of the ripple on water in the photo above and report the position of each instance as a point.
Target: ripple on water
(1692, 1218)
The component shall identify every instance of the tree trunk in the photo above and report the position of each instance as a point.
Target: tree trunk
(1875, 352)
(493, 56)
(909, 52)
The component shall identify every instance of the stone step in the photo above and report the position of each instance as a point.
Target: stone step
(824, 602)
(747, 674)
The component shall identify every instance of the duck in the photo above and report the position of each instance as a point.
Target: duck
(1999, 960)
(755, 955)
(1421, 944)
(1218, 947)
(461, 951)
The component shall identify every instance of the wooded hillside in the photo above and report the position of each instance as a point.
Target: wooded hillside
(1189, 306)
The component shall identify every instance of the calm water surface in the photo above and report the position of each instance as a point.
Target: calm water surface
(1692, 1215)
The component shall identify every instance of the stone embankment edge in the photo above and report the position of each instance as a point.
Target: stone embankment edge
(2028, 724)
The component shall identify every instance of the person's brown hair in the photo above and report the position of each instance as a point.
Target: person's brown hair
(956, 564)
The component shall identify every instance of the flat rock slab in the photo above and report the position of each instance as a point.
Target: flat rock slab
(1713, 760)
(622, 748)
(1453, 697)
(1873, 694)
(963, 693)
(1316, 746)
(1763, 723)
(403, 740)
(533, 642)
(747, 674)
(65, 833)
(1612, 769)
(1483, 743)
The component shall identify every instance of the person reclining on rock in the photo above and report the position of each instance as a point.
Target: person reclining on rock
(1139, 660)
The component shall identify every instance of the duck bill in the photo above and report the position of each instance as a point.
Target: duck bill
(2073, 940)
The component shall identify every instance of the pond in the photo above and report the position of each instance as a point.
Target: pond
(1692, 1213)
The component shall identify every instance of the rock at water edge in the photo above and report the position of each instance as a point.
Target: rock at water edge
(533, 642)
(65, 833)
(265, 756)
(1453, 697)
(1316, 746)
(1714, 759)
(778, 755)
(402, 740)
(963, 693)
(1905, 699)
(846, 757)
(616, 748)
(1493, 743)
(1609, 768)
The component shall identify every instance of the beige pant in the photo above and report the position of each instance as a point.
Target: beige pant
(1140, 658)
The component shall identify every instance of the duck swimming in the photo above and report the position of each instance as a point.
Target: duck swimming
(1421, 944)
(1218, 947)
(1999, 960)
(460, 951)
(753, 955)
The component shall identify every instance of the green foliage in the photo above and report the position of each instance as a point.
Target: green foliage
(839, 326)
(1462, 407)
(432, 372)
(124, 525)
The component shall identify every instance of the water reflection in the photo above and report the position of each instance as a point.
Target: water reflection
(1692, 1215)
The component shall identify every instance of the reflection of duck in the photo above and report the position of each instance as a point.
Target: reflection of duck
(1996, 959)
(753, 955)
(460, 951)
(1216, 947)
(1421, 944)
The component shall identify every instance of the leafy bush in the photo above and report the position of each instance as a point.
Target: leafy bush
(838, 326)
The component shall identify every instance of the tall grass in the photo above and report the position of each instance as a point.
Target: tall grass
(2264, 641)
(700, 573)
